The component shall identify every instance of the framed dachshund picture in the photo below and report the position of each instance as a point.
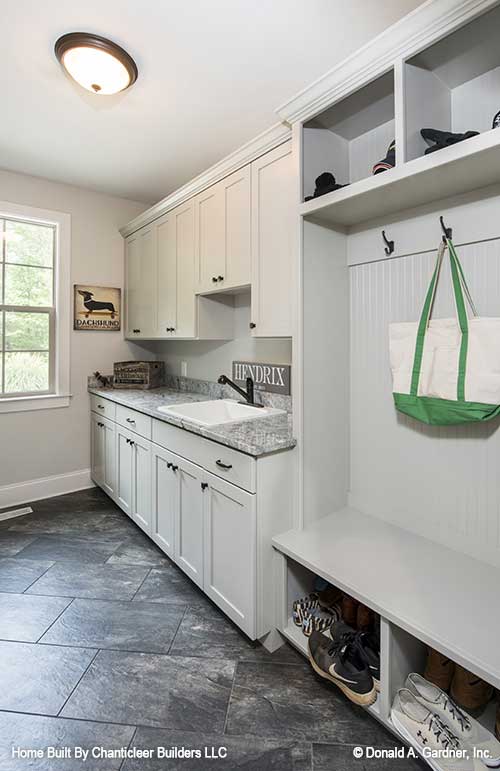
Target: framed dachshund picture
(97, 308)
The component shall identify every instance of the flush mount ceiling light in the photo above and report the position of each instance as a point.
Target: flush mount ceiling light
(97, 64)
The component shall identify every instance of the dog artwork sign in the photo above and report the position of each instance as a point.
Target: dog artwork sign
(97, 308)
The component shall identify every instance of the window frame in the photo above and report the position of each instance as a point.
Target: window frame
(59, 314)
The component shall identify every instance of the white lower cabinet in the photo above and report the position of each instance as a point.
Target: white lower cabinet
(164, 498)
(189, 519)
(230, 551)
(103, 470)
(218, 533)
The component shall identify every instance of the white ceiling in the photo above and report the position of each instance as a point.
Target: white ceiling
(211, 75)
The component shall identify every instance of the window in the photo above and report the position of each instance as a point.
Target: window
(34, 308)
(27, 308)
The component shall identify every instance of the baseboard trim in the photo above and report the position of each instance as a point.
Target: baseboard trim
(36, 489)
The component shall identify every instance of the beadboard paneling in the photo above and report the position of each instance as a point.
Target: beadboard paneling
(440, 482)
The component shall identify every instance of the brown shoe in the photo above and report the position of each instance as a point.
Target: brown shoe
(470, 692)
(364, 618)
(439, 670)
(330, 597)
(350, 610)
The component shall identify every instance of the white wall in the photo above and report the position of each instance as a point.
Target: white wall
(56, 441)
(208, 360)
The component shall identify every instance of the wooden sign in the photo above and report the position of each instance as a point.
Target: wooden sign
(275, 378)
(97, 308)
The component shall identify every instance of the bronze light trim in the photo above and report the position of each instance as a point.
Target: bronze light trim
(88, 40)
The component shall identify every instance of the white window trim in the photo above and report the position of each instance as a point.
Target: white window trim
(62, 290)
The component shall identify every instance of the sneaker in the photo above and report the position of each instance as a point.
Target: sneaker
(340, 663)
(303, 606)
(468, 730)
(368, 646)
(318, 620)
(470, 692)
(430, 737)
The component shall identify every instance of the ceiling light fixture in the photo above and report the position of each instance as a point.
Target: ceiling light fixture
(97, 64)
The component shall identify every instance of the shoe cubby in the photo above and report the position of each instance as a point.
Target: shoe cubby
(351, 136)
(454, 85)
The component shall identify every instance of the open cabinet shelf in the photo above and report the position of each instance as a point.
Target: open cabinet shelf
(461, 168)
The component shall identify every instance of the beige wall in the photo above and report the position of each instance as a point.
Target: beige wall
(56, 441)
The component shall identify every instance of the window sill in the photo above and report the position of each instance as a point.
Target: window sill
(29, 403)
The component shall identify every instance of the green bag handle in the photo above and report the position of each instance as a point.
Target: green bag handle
(459, 287)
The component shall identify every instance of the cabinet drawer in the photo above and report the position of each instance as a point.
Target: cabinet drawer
(102, 407)
(236, 467)
(134, 421)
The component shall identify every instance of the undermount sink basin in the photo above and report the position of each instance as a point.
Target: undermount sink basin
(218, 411)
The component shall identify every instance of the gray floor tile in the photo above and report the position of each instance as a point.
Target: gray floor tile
(210, 634)
(16, 575)
(169, 584)
(128, 626)
(282, 700)
(25, 619)
(90, 581)
(156, 691)
(11, 543)
(36, 732)
(58, 547)
(75, 523)
(341, 758)
(242, 753)
(39, 678)
(139, 550)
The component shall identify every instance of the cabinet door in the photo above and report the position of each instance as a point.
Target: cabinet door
(96, 449)
(237, 208)
(164, 499)
(141, 482)
(124, 452)
(108, 432)
(274, 233)
(167, 276)
(210, 238)
(230, 551)
(183, 217)
(140, 291)
(189, 520)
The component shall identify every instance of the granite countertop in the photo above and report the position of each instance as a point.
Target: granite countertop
(254, 437)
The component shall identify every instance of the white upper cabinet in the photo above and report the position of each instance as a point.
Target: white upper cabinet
(140, 269)
(274, 236)
(223, 234)
(175, 288)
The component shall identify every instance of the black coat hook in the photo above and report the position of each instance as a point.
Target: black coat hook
(389, 248)
(448, 232)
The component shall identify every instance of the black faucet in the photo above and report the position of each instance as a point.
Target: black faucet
(247, 395)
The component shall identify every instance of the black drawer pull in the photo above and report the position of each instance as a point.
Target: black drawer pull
(129, 420)
(225, 466)
(100, 407)
(169, 465)
(132, 442)
(136, 330)
(174, 468)
(204, 486)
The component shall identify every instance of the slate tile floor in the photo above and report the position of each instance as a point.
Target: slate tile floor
(104, 642)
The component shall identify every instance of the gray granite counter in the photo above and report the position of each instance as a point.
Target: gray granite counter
(257, 437)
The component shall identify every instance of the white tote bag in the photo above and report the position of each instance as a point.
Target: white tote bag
(447, 371)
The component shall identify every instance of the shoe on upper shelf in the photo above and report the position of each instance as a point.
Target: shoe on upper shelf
(468, 730)
(430, 737)
(340, 662)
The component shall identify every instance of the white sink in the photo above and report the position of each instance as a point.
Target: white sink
(218, 411)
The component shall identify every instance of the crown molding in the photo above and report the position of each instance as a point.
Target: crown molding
(261, 144)
(420, 28)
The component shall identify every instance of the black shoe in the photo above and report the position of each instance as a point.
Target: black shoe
(340, 662)
(368, 645)
(388, 162)
(443, 139)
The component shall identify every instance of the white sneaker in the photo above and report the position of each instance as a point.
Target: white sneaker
(431, 738)
(468, 730)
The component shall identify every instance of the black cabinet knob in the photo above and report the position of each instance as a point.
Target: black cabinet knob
(174, 468)
(136, 330)
(204, 485)
(220, 278)
(169, 465)
(252, 325)
(214, 279)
